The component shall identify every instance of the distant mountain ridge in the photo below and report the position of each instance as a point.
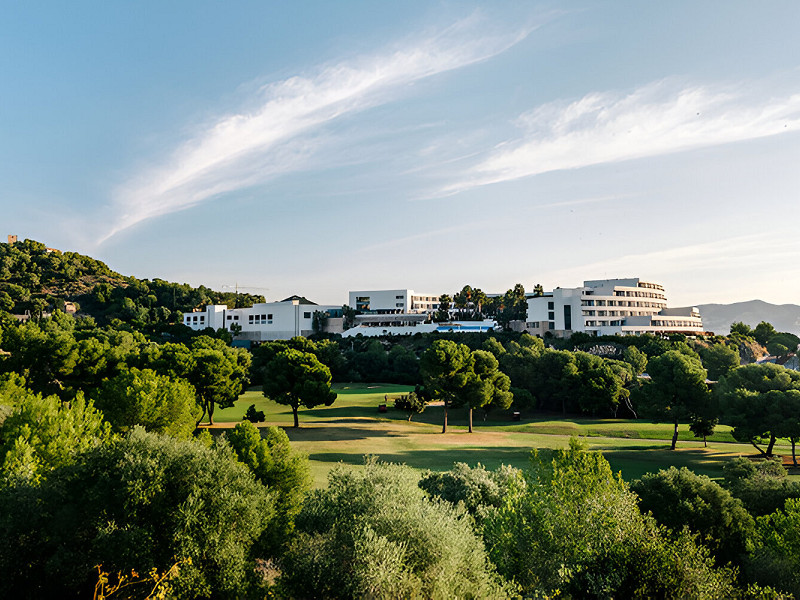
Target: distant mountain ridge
(718, 317)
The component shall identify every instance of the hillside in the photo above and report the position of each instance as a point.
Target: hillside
(718, 317)
(35, 279)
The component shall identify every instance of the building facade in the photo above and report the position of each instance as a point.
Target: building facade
(610, 307)
(385, 302)
(262, 322)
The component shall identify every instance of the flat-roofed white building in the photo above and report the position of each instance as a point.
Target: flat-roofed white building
(610, 307)
(264, 321)
(375, 325)
(383, 302)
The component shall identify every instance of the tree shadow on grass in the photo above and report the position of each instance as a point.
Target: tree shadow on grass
(635, 461)
(334, 434)
(439, 460)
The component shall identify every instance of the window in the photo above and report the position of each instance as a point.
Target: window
(398, 297)
(399, 305)
(236, 318)
(550, 306)
(250, 318)
(306, 315)
(269, 317)
(229, 317)
(551, 316)
(567, 317)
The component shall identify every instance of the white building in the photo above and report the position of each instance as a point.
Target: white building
(382, 302)
(610, 307)
(262, 322)
(372, 328)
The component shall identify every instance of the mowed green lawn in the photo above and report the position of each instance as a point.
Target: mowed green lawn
(352, 427)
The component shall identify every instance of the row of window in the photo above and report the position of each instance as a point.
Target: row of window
(677, 324)
(615, 313)
(640, 294)
(623, 303)
(258, 319)
(193, 319)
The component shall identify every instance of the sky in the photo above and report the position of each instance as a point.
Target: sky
(314, 148)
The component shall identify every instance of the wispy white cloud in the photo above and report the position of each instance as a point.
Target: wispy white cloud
(246, 148)
(726, 262)
(656, 119)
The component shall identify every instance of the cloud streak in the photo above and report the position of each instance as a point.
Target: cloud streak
(653, 120)
(246, 148)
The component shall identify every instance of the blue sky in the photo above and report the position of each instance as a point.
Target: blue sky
(318, 147)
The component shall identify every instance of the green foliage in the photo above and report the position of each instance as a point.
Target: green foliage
(295, 379)
(762, 486)
(412, 403)
(677, 389)
(741, 329)
(763, 332)
(576, 530)
(719, 360)
(776, 560)
(703, 426)
(137, 503)
(375, 534)
(486, 387)
(219, 373)
(36, 279)
(42, 434)
(274, 463)
(156, 402)
(481, 491)
(636, 359)
(679, 497)
(253, 415)
(761, 402)
(447, 368)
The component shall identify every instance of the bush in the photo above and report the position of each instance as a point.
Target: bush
(762, 485)
(576, 530)
(375, 534)
(679, 497)
(138, 503)
(274, 463)
(253, 415)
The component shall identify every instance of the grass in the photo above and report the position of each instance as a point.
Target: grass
(352, 427)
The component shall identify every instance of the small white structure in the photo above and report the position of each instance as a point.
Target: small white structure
(262, 322)
(610, 307)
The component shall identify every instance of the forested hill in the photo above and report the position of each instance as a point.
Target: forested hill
(718, 317)
(39, 279)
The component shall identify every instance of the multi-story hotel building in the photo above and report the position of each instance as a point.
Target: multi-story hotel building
(610, 307)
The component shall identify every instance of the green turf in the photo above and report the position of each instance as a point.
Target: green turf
(353, 427)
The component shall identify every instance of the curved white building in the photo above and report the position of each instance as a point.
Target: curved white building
(610, 307)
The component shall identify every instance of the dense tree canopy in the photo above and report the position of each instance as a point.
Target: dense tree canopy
(296, 379)
(447, 368)
(374, 533)
(678, 387)
(575, 529)
(679, 497)
(156, 402)
(285, 472)
(137, 503)
(761, 402)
